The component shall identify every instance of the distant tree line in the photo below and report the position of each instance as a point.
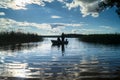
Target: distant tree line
(18, 37)
(101, 38)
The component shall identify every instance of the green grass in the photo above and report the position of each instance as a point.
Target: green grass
(101, 38)
(7, 38)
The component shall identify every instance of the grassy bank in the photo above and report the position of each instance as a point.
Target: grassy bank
(7, 38)
(101, 38)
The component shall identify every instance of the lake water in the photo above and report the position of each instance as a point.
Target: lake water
(75, 61)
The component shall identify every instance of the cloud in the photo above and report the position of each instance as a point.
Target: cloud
(60, 27)
(106, 27)
(87, 7)
(8, 24)
(56, 30)
(54, 25)
(21, 4)
(75, 31)
(98, 30)
(56, 17)
(88, 31)
(2, 13)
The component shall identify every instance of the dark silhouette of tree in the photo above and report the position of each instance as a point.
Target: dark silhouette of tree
(7, 38)
(109, 4)
(101, 38)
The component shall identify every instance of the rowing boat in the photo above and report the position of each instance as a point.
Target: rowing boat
(55, 42)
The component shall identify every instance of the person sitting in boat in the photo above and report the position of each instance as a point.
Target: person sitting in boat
(63, 36)
(58, 39)
(66, 40)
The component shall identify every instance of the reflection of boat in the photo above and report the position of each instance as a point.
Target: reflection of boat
(60, 46)
(55, 42)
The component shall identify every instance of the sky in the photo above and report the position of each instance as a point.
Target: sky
(51, 17)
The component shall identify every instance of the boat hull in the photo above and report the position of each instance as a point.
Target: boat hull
(55, 42)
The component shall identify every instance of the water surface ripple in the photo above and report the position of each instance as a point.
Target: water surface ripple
(75, 61)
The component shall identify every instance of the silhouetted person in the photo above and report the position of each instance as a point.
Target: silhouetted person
(63, 36)
(66, 40)
(58, 39)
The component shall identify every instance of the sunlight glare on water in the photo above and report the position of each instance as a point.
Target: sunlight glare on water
(75, 61)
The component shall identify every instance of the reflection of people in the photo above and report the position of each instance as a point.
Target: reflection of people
(63, 36)
(63, 49)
